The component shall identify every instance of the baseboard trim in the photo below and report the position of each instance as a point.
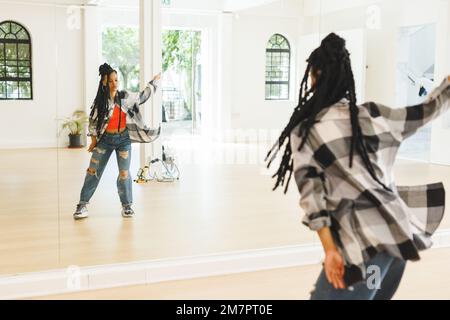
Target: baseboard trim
(75, 279)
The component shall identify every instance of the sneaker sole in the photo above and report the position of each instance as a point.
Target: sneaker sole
(127, 215)
(80, 217)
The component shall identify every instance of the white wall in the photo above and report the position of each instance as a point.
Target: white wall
(57, 91)
(314, 7)
(252, 30)
(92, 54)
(441, 129)
(383, 50)
(382, 44)
(70, 92)
(381, 59)
(110, 16)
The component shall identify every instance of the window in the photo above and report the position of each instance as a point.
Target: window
(278, 63)
(15, 62)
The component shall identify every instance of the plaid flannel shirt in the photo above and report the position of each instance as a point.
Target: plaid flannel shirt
(364, 217)
(129, 104)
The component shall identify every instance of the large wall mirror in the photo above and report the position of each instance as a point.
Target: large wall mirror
(231, 72)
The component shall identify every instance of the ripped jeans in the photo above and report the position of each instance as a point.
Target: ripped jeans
(121, 143)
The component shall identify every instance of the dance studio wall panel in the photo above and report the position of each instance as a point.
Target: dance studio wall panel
(252, 30)
(57, 77)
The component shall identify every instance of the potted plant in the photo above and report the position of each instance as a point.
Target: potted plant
(75, 125)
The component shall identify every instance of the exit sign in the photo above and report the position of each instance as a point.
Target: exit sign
(166, 3)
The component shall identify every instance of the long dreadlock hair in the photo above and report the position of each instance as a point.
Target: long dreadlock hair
(100, 104)
(330, 64)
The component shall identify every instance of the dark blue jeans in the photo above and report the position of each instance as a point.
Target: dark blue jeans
(108, 143)
(390, 273)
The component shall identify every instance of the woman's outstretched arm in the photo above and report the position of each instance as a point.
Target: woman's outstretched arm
(135, 99)
(145, 94)
(404, 122)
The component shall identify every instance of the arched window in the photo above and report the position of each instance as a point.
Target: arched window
(15, 62)
(278, 65)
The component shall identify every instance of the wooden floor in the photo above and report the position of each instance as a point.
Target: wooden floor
(423, 280)
(214, 208)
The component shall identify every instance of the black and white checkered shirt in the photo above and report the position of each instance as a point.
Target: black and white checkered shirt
(130, 102)
(363, 217)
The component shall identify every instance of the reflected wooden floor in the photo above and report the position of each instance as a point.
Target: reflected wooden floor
(215, 207)
(423, 280)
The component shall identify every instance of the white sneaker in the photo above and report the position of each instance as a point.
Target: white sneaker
(81, 212)
(127, 212)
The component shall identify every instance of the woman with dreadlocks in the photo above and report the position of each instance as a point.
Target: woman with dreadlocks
(342, 157)
(115, 122)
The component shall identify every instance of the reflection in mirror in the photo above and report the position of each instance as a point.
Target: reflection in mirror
(231, 72)
(90, 174)
(219, 160)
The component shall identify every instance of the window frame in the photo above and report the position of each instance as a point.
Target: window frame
(3, 62)
(270, 49)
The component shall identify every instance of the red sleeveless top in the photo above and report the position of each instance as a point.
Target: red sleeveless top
(118, 121)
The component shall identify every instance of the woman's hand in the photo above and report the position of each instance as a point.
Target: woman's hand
(334, 263)
(334, 269)
(93, 144)
(157, 77)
